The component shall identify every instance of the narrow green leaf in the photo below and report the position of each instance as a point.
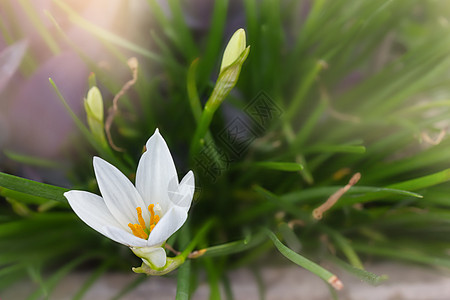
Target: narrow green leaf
(39, 26)
(106, 152)
(198, 237)
(213, 273)
(214, 39)
(364, 275)
(185, 40)
(345, 247)
(57, 276)
(280, 166)
(304, 262)
(413, 185)
(423, 182)
(99, 271)
(31, 160)
(304, 86)
(105, 34)
(194, 99)
(183, 280)
(335, 149)
(130, 287)
(33, 188)
(184, 273)
(234, 247)
(288, 207)
(403, 254)
(290, 237)
(308, 195)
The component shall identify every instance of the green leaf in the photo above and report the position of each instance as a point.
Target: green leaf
(304, 262)
(413, 184)
(183, 280)
(57, 276)
(345, 247)
(364, 275)
(105, 34)
(33, 188)
(235, 247)
(335, 149)
(31, 160)
(280, 166)
(130, 287)
(99, 271)
(198, 237)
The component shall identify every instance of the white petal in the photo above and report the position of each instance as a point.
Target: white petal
(170, 222)
(91, 209)
(124, 237)
(120, 196)
(152, 256)
(155, 172)
(182, 196)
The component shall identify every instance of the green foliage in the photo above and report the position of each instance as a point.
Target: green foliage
(352, 86)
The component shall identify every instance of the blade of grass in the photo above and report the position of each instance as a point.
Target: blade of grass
(363, 275)
(105, 34)
(304, 262)
(130, 287)
(31, 160)
(280, 166)
(183, 280)
(32, 15)
(345, 247)
(99, 271)
(184, 273)
(33, 188)
(235, 247)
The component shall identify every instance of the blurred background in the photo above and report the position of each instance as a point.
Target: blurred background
(329, 89)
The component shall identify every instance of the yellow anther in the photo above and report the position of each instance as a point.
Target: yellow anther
(154, 219)
(138, 231)
(140, 218)
(152, 213)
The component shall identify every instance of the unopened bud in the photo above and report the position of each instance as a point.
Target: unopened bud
(94, 104)
(234, 49)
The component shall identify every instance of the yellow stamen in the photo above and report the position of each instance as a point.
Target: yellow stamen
(156, 219)
(152, 213)
(138, 231)
(140, 218)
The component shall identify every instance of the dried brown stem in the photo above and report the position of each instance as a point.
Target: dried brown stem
(193, 254)
(436, 141)
(318, 212)
(170, 248)
(335, 282)
(133, 65)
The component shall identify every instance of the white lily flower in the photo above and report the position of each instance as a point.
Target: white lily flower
(144, 216)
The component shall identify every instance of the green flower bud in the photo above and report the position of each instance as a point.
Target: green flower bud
(234, 49)
(93, 105)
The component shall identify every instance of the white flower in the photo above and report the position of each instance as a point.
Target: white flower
(144, 216)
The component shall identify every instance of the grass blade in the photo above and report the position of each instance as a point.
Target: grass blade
(304, 262)
(33, 188)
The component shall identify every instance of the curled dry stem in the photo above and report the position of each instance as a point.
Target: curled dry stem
(318, 212)
(133, 65)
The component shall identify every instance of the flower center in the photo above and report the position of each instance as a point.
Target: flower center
(140, 230)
